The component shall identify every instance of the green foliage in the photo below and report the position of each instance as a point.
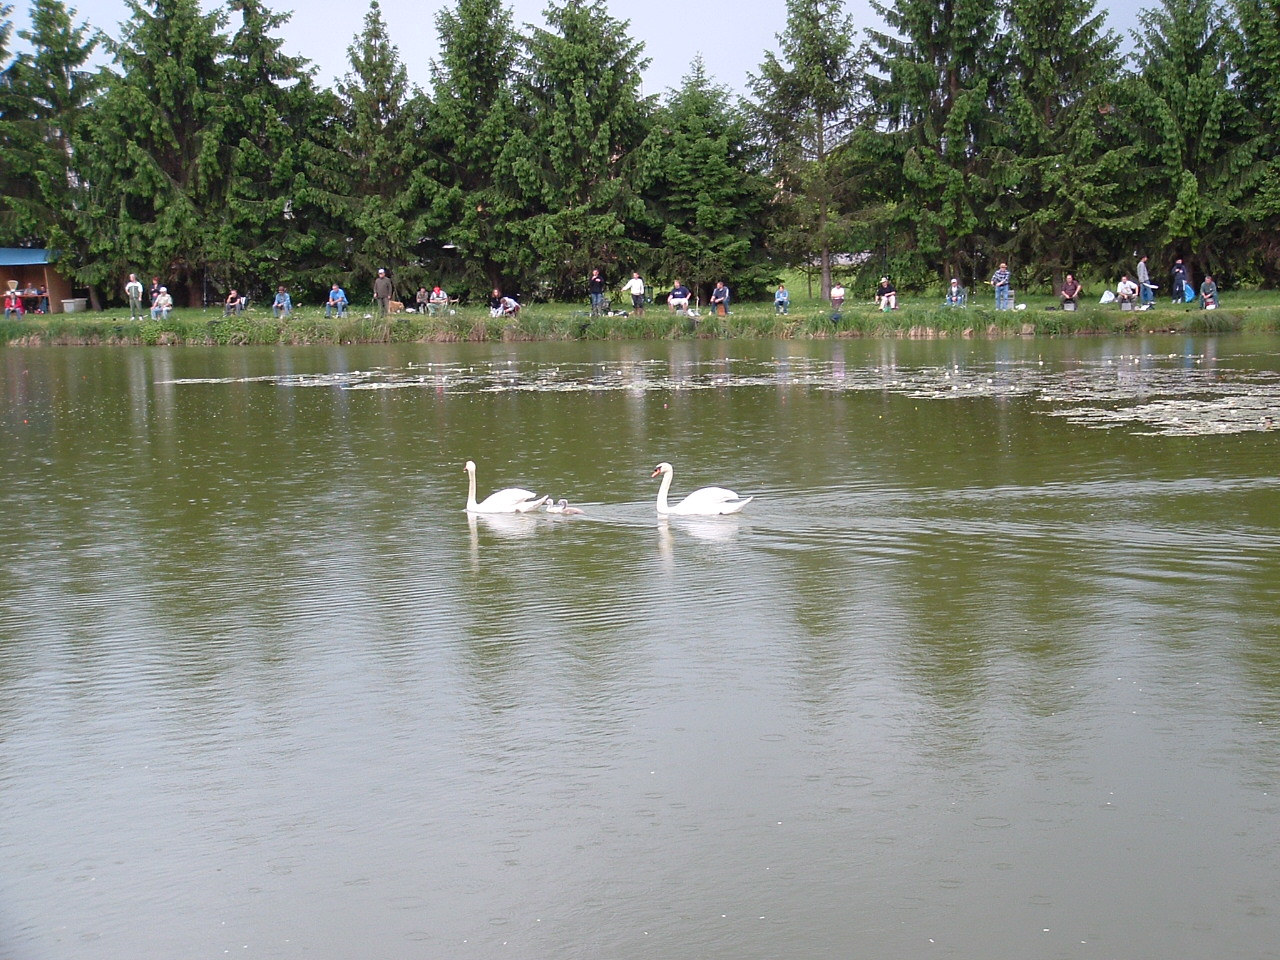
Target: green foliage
(805, 103)
(374, 156)
(1195, 128)
(470, 118)
(572, 162)
(706, 198)
(935, 96)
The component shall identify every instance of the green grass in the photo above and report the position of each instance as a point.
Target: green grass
(919, 316)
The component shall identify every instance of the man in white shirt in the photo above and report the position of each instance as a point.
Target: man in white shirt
(1126, 291)
(635, 287)
(133, 290)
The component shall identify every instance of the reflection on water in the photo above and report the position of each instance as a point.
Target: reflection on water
(964, 679)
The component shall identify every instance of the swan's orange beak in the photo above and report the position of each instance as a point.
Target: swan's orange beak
(654, 474)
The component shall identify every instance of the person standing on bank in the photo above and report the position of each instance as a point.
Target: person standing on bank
(595, 289)
(383, 291)
(133, 290)
(1000, 280)
(635, 287)
(1146, 292)
(1179, 274)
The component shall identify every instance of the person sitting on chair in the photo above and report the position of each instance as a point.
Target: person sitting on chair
(1070, 292)
(437, 301)
(720, 299)
(781, 300)
(337, 301)
(1126, 291)
(678, 299)
(886, 295)
(163, 304)
(282, 305)
(1208, 294)
(955, 294)
(233, 304)
(13, 303)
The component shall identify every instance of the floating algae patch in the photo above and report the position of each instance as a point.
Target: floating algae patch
(1157, 394)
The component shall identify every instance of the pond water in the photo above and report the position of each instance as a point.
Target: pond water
(989, 668)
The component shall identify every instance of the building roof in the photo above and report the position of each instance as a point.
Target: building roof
(25, 256)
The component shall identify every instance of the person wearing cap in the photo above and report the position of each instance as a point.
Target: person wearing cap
(438, 300)
(163, 304)
(1179, 274)
(955, 294)
(887, 295)
(383, 291)
(1000, 280)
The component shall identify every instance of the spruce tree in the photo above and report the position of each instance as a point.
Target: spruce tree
(805, 104)
(1068, 204)
(12, 112)
(471, 117)
(52, 79)
(375, 153)
(155, 153)
(934, 94)
(572, 162)
(1257, 66)
(707, 195)
(268, 234)
(1194, 127)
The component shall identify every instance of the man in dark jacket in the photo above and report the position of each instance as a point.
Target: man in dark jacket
(1179, 281)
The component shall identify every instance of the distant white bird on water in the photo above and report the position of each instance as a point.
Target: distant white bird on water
(707, 501)
(510, 500)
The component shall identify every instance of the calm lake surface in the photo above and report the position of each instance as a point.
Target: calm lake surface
(990, 669)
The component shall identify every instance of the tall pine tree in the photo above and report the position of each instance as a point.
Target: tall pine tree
(268, 235)
(934, 94)
(156, 152)
(1069, 203)
(53, 80)
(472, 115)
(1192, 124)
(375, 152)
(572, 162)
(707, 195)
(805, 104)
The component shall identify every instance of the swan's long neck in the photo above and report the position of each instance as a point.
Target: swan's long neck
(662, 491)
(471, 489)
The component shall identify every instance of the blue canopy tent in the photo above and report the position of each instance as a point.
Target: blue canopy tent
(31, 268)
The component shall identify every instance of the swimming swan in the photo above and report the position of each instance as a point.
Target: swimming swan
(562, 507)
(707, 501)
(511, 500)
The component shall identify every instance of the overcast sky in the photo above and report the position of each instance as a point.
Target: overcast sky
(731, 35)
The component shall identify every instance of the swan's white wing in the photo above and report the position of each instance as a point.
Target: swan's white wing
(710, 500)
(511, 500)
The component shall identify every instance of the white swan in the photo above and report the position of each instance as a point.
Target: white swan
(707, 501)
(511, 500)
(562, 507)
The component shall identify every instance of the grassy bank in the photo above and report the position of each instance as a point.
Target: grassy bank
(919, 317)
